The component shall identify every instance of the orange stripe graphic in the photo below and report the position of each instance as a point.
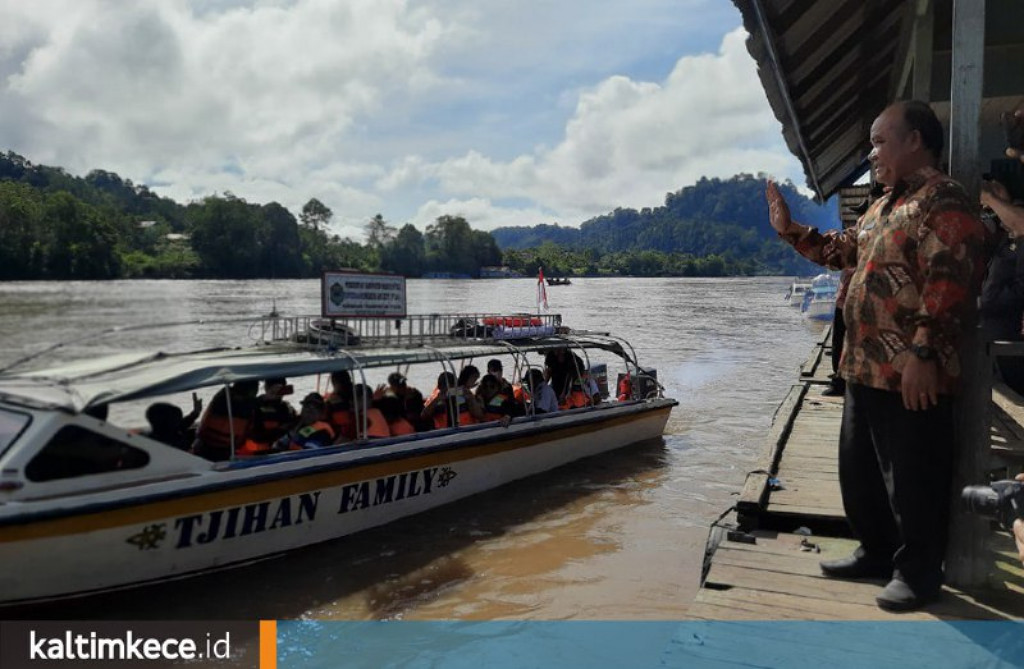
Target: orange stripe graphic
(268, 644)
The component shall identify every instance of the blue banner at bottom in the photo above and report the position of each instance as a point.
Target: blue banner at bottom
(639, 645)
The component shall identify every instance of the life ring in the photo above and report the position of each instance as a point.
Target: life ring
(512, 321)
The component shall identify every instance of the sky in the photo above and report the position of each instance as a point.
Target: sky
(506, 113)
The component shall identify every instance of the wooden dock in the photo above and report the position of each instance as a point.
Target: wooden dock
(763, 556)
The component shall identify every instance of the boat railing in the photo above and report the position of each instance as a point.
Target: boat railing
(317, 332)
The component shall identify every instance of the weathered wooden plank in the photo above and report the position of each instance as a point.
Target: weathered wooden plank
(755, 489)
(810, 366)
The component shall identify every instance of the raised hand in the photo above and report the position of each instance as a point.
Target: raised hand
(778, 210)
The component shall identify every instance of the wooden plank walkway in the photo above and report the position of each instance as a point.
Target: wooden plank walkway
(764, 570)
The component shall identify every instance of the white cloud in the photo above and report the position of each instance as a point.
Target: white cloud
(409, 108)
(630, 142)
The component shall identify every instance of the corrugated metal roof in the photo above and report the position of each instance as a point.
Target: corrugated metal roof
(828, 68)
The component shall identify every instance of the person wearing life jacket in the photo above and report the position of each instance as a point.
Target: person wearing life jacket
(625, 390)
(376, 425)
(339, 406)
(562, 369)
(495, 369)
(393, 409)
(469, 408)
(440, 406)
(312, 429)
(219, 423)
(413, 405)
(497, 404)
(272, 418)
(540, 394)
(168, 424)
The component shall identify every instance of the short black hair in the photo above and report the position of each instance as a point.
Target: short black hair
(921, 117)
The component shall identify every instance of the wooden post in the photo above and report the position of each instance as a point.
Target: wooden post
(966, 558)
(924, 29)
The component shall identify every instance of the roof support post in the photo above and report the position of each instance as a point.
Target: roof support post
(924, 29)
(965, 558)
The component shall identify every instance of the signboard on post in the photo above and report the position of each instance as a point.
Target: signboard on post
(351, 294)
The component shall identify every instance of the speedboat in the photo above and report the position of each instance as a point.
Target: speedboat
(819, 301)
(90, 503)
(795, 295)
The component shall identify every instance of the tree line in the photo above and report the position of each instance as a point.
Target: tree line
(57, 226)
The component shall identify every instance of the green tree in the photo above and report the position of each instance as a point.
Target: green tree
(406, 253)
(379, 233)
(226, 237)
(316, 215)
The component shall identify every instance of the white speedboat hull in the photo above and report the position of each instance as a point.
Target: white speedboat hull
(113, 538)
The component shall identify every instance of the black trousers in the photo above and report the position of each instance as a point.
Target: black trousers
(895, 469)
(838, 337)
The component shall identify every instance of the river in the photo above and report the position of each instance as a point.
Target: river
(618, 537)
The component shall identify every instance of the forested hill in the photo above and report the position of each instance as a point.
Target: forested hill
(712, 217)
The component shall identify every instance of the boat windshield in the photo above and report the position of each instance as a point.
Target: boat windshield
(11, 425)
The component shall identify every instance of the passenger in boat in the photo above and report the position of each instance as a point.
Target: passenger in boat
(469, 408)
(376, 423)
(440, 406)
(312, 429)
(228, 416)
(414, 405)
(918, 256)
(339, 405)
(398, 385)
(168, 424)
(539, 393)
(496, 369)
(393, 409)
(562, 368)
(497, 402)
(272, 418)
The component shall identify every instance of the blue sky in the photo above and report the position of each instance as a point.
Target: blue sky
(508, 113)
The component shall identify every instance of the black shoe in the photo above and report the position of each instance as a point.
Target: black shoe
(855, 567)
(899, 596)
(832, 391)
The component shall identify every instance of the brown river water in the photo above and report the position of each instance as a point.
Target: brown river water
(617, 537)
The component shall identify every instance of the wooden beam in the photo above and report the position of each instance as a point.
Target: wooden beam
(924, 34)
(967, 553)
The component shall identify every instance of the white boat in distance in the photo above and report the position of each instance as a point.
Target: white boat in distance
(819, 302)
(87, 505)
(795, 295)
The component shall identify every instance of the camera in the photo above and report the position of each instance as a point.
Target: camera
(1002, 501)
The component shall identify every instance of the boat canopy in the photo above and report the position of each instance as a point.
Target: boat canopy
(131, 376)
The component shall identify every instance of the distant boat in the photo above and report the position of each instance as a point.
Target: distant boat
(559, 281)
(795, 296)
(819, 301)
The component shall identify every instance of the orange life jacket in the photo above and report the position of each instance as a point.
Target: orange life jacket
(496, 408)
(625, 391)
(440, 410)
(376, 425)
(465, 418)
(401, 426)
(317, 426)
(270, 422)
(215, 430)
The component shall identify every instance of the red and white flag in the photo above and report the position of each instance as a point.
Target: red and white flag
(542, 291)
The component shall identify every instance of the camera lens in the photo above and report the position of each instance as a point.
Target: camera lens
(981, 500)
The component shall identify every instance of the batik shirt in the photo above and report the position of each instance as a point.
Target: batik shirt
(918, 260)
